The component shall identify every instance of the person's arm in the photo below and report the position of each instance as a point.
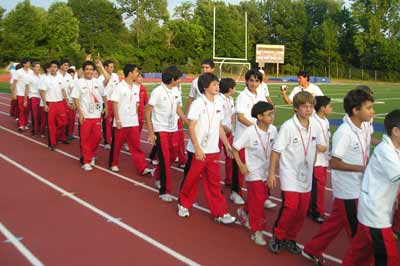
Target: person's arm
(188, 103)
(107, 76)
(242, 119)
(80, 112)
(339, 164)
(43, 96)
(269, 99)
(375, 141)
(273, 165)
(242, 167)
(26, 94)
(148, 109)
(197, 148)
(321, 148)
(224, 139)
(181, 114)
(116, 115)
(286, 98)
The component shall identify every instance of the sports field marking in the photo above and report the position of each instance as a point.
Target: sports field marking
(103, 214)
(19, 246)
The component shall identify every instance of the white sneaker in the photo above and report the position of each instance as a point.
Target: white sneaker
(182, 211)
(147, 171)
(243, 217)
(176, 159)
(87, 167)
(26, 128)
(166, 197)
(182, 166)
(126, 147)
(107, 146)
(268, 204)
(93, 162)
(226, 219)
(154, 162)
(114, 168)
(157, 183)
(236, 198)
(258, 238)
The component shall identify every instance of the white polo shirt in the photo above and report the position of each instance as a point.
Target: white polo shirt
(68, 84)
(244, 104)
(90, 95)
(349, 143)
(53, 85)
(111, 85)
(323, 157)
(228, 105)
(194, 89)
(296, 169)
(380, 186)
(258, 145)
(22, 77)
(165, 102)
(264, 88)
(128, 101)
(209, 116)
(312, 88)
(34, 85)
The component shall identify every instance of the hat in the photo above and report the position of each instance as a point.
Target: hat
(260, 108)
(261, 71)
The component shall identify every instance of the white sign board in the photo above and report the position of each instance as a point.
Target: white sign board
(266, 53)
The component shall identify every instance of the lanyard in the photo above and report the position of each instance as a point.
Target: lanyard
(208, 116)
(305, 147)
(326, 138)
(91, 91)
(364, 152)
(265, 148)
(171, 101)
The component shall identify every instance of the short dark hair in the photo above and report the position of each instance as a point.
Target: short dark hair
(365, 88)
(25, 60)
(18, 66)
(261, 107)
(208, 62)
(88, 63)
(205, 80)
(63, 61)
(54, 62)
(254, 73)
(355, 99)
(321, 101)
(170, 74)
(45, 67)
(304, 74)
(225, 84)
(392, 120)
(71, 71)
(128, 68)
(108, 62)
(34, 63)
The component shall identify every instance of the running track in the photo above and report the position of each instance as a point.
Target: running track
(66, 216)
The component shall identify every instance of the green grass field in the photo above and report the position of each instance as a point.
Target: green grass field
(387, 98)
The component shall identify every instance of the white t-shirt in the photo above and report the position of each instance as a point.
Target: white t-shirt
(111, 85)
(349, 143)
(296, 169)
(90, 94)
(53, 85)
(312, 88)
(12, 75)
(258, 145)
(209, 116)
(165, 102)
(380, 186)
(34, 85)
(68, 84)
(229, 109)
(264, 89)
(244, 104)
(194, 89)
(22, 77)
(128, 101)
(323, 157)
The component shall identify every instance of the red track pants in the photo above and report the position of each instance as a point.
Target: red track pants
(318, 191)
(228, 161)
(372, 246)
(43, 120)
(90, 133)
(109, 120)
(35, 114)
(131, 136)
(14, 112)
(165, 151)
(344, 215)
(257, 193)
(291, 215)
(209, 172)
(56, 121)
(396, 218)
(179, 144)
(237, 177)
(71, 117)
(23, 112)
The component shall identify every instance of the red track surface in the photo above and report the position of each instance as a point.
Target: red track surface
(59, 231)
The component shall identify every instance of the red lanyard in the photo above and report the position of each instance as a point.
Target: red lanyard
(364, 152)
(91, 92)
(326, 138)
(172, 102)
(208, 116)
(305, 148)
(265, 148)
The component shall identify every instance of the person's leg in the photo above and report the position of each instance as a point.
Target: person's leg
(21, 109)
(96, 135)
(85, 141)
(287, 214)
(163, 171)
(256, 195)
(137, 154)
(298, 221)
(361, 248)
(61, 121)
(119, 136)
(190, 182)
(51, 123)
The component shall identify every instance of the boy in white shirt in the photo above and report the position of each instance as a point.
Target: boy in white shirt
(205, 130)
(264, 87)
(304, 85)
(161, 114)
(257, 141)
(295, 149)
(13, 102)
(88, 96)
(323, 108)
(374, 243)
(69, 103)
(34, 96)
(20, 86)
(125, 98)
(349, 158)
(226, 93)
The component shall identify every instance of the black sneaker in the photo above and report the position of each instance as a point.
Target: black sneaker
(275, 245)
(52, 148)
(65, 142)
(292, 246)
(317, 260)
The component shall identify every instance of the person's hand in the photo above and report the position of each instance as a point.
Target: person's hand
(272, 181)
(81, 119)
(25, 103)
(88, 57)
(46, 108)
(229, 151)
(152, 138)
(244, 170)
(99, 64)
(119, 124)
(199, 154)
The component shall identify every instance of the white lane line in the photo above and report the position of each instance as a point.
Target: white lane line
(103, 214)
(136, 183)
(21, 247)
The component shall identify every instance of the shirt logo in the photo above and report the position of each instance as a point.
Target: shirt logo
(313, 138)
(295, 140)
(218, 111)
(255, 143)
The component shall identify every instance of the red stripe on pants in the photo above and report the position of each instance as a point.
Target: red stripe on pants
(109, 121)
(71, 115)
(209, 172)
(90, 133)
(372, 246)
(332, 226)
(56, 120)
(131, 136)
(396, 218)
(165, 151)
(35, 102)
(228, 161)
(179, 145)
(292, 214)
(257, 193)
(14, 108)
(23, 112)
(43, 120)
(318, 190)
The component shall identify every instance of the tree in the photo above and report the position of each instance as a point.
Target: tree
(184, 11)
